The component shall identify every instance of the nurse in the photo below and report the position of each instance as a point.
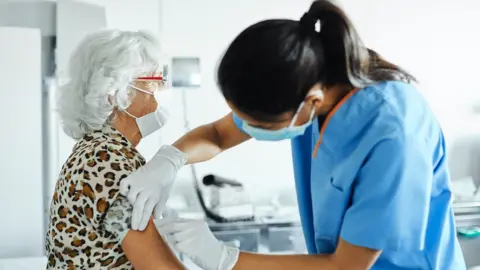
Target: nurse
(368, 154)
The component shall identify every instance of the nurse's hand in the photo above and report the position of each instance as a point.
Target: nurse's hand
(194, 239)
(149, 187)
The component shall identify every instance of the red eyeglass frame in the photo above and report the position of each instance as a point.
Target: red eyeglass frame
(151, 78)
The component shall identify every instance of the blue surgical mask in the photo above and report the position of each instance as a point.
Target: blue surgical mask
(285, 133)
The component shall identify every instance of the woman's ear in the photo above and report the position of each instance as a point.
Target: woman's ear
(315, 97)
(110, 100)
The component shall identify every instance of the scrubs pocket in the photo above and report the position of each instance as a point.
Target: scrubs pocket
(335, 184)
(329, 205)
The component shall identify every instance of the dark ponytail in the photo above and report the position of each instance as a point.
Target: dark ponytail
(347, 60)
(269, 68)
(380, 69)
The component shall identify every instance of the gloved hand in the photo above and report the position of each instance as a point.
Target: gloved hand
(194, 239)
(149, 187)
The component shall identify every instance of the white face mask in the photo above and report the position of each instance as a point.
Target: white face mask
(153, 121)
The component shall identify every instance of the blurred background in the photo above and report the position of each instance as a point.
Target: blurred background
(437, 41)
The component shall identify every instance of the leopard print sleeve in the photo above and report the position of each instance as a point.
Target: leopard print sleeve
(119, 218)
(101, 183)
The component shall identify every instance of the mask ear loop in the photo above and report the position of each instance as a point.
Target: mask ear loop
(312, 113)
(131, 115)
(141, 90)
(294, 120)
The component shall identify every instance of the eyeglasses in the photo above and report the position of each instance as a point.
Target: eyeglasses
(151, 78)
(160, 80)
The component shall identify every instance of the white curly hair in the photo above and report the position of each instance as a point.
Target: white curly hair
(100, 69)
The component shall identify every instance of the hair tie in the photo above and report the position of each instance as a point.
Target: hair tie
(308, 23)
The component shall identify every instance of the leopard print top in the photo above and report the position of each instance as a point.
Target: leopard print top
(88, 216)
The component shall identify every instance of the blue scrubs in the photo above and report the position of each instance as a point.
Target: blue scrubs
(379, 180)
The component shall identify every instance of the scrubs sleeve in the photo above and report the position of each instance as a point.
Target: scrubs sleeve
(391, 198)
(238, 122)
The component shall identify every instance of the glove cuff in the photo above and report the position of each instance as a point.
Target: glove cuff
(177, 157)
(229, 258)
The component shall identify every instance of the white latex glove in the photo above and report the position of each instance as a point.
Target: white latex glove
(194, 239)
(149, 187)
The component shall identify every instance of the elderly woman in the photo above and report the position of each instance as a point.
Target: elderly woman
(108, 106)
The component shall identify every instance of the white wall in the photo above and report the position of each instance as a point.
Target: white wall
(21, 207)
(131, 14)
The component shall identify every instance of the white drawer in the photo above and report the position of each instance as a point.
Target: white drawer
(286, 240)
(245, 240)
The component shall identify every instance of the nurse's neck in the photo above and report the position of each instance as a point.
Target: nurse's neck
(332, 96)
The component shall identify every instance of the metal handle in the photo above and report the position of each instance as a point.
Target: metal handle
(466, 204)
(467, 217)
(291, 239)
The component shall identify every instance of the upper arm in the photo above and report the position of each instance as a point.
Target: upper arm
(229, 131)
(147, 250)
(351, 257)
(391, 198)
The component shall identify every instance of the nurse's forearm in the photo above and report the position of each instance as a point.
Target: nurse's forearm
(346, 257)
(249, 261)
(207, 141)
(200, 144)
